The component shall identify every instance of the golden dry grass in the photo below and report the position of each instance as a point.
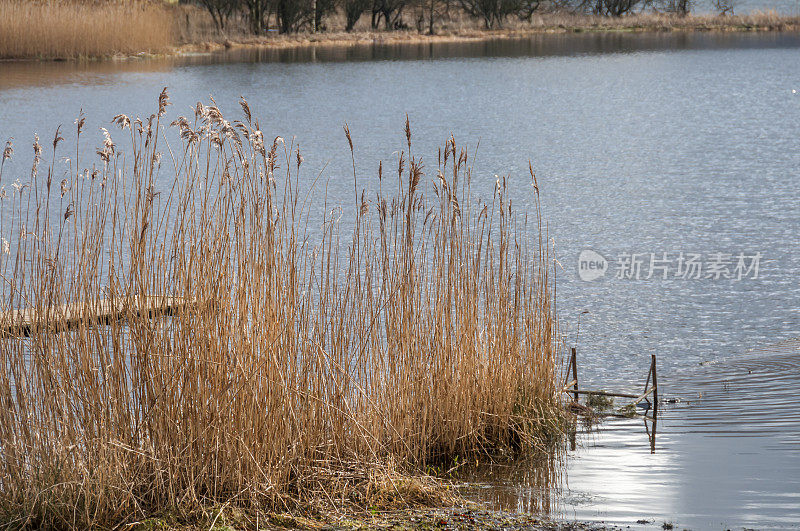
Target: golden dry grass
(306, 369)
(64, 29)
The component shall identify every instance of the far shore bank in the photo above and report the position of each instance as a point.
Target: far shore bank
(191, 33)
(655, 23)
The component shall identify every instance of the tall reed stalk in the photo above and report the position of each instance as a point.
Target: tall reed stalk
(297, 369)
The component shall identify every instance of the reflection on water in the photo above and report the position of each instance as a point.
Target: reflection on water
(752, 395)
(725, 454)
(544, 45)
(32, 73)
(22, 74)
(531, 486)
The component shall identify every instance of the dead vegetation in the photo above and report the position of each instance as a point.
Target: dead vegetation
(68, 29)
(309, 364)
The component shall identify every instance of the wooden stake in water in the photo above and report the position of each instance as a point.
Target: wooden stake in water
(575, 372)
(655, 381)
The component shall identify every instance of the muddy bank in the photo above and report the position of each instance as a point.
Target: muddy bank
(465, 519)
(453, 518)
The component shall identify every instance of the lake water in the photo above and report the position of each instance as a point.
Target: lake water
(683, 146)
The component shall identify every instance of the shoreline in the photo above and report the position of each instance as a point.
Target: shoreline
(467, 517)
(550, 24)
(692, 24)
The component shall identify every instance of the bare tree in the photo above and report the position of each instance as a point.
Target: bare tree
(494, 12)
(724, 7)
(427, 13)
(353, 9)
(258, 12)
(679, 7)
(220, 11)
(293, 15)
(614, 8)
(390, 11)
(322, 8)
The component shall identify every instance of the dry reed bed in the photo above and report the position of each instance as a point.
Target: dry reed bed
(64, 29)
(303, 372)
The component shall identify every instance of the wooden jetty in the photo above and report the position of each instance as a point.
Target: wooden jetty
(20, 323)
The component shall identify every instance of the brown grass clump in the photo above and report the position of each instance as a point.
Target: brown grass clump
(301, 369)
(68, 29)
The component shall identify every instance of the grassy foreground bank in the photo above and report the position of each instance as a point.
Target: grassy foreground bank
(71, 29)
(312, 362)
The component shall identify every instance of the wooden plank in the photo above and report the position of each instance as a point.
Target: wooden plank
(601, 393)
(643, 396)
(22, 322)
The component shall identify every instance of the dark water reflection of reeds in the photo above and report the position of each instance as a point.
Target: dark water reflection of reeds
(530, 485)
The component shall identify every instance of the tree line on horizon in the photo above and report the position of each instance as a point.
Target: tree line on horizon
(293, 16)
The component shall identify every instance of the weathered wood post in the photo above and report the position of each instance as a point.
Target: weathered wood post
(651, 433)
(575, 372)
(655, 404)
(655, 380)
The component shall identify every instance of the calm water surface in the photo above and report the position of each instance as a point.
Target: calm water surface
(642, 144)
